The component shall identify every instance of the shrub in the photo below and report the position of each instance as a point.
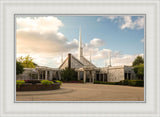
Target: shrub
(101, 82)
(123, 82)
(19, 83)
(140, 83)
(132, 82)
(33, 81)
(69, 74)
(136, 83)
(58, 81)
(79, 81)
(46, 82)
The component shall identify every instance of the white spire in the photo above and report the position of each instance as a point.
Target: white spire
(109, 59)
(80, 45)
(90, 56)
(62, 58)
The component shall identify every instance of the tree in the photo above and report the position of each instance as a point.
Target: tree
(27, 62)
(139, 70)
(69, 74)
(19, 68)
(138, 66)
(138, 60)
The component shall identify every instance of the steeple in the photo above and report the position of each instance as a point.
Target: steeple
(62, 58)
(80, 45)
(90, 56)
(109, 59)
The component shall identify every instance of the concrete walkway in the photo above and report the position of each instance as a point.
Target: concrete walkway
(85, 92)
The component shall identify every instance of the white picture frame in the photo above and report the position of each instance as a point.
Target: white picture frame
(151, 106)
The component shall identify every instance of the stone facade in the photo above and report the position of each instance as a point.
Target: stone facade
(115, 74)
(118, 73)
(39, 73)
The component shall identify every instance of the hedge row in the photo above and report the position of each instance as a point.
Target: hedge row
(123, 82)
(78, 81)
(40, 81)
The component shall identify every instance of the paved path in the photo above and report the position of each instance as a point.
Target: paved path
(85, 92)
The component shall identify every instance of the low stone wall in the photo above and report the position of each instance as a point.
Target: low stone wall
(37, 87)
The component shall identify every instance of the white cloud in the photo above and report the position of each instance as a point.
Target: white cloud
(96, 42)
(140, 22)
(40, 35)
(41, 24)
(125, 21)
(117, 59)
(106, 17)
(40, 38)
(130, 24)
(123, 60)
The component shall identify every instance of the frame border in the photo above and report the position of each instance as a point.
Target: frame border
(157, 36)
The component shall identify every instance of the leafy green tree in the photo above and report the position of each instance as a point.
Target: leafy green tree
(139, 70)
(138, 66)
(138, 60)
(27, 62)
(69, 74)
(19, 68)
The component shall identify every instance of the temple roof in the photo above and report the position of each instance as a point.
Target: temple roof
(76, 63)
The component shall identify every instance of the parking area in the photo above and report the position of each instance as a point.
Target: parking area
(85, 92)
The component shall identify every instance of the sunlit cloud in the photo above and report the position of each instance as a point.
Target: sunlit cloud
(41, 38)
(125, 22)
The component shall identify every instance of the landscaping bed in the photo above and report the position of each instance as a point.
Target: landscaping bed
(22, 85)
(37, 87)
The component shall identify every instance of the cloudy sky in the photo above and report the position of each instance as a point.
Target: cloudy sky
(47, 38)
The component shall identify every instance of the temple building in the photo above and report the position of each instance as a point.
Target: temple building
(85, 69)
(88, 72)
